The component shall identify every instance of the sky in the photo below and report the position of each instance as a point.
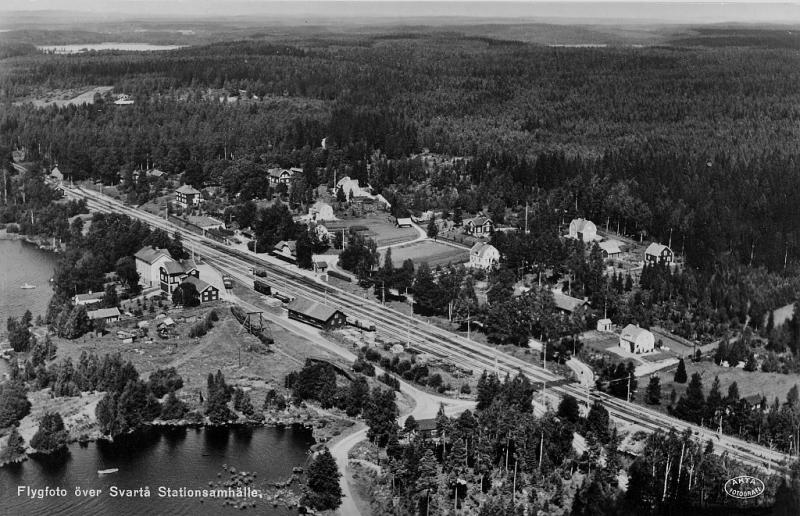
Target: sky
(660, 11)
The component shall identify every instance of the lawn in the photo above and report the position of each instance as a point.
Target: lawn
(426, 251)
(381, 230)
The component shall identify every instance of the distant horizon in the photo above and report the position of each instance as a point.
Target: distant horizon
(389, 11)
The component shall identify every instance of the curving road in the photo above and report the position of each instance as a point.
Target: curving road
(447, 346)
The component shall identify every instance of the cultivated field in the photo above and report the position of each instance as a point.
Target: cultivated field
(381, 230)
(426, 251)
(766, 384)
(65, 98)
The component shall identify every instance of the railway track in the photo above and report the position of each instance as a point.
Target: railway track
(440, 343)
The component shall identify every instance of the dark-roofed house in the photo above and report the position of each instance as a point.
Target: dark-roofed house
(582, 229)
(286, 250)
(637, 340)
(207, 291)
(148, 264)
(753, 401)
(427, 428)
(110, 315)
(479, 226)
(657, 253)
(187, 196)
(279, 175)
(172, 273)
(569, 305)
(610, 248)
(316, 314)
(320, 266)
(483, 256)
(88, 299)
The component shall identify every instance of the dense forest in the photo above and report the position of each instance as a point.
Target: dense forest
(701, 140)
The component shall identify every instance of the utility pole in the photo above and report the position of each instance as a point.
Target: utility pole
(526, 218)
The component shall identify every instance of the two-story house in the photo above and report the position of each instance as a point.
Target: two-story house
(173, 272)
(148, 264)
(483, 256)
(187, 196)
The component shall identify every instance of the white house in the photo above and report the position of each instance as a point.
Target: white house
(483, 256)
(88, 299)
(350, 186)
(582, 229)
(56, 174)
(404, 222)
(148, 264)
(637, 340)
(321, 211)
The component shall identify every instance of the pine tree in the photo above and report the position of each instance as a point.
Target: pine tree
(691, 407)
(598, 422)
(324, 491)
(411, 424)
(714, 401)
(653, 395)
(433, 228)
(680, 374)
(568, 409)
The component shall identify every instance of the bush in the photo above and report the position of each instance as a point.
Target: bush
(12, 228)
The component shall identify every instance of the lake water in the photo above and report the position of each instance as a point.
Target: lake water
(20, 263)
(172, 458)
(131, 47)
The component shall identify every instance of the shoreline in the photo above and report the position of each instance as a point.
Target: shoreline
(317, 423)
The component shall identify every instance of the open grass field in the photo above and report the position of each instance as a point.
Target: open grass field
(381, 230)
(766, 384)
(432, 252)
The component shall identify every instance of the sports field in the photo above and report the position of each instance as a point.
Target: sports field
(434, 253)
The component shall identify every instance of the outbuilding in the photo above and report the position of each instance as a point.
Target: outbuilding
(610, 249)
(109, 315)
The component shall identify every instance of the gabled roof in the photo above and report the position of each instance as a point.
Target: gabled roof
(199, 284)
(480, 221)
(179, 267)
(610, 246)
(631, 332)
(312, 309)
(150, 255)
(404, 221)
(753, 399)
(582, 224)
(655, 249)
(480, 249)
(292, 244)
(188, 190)
(278, 172)
(567, 303)
(103, 313)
